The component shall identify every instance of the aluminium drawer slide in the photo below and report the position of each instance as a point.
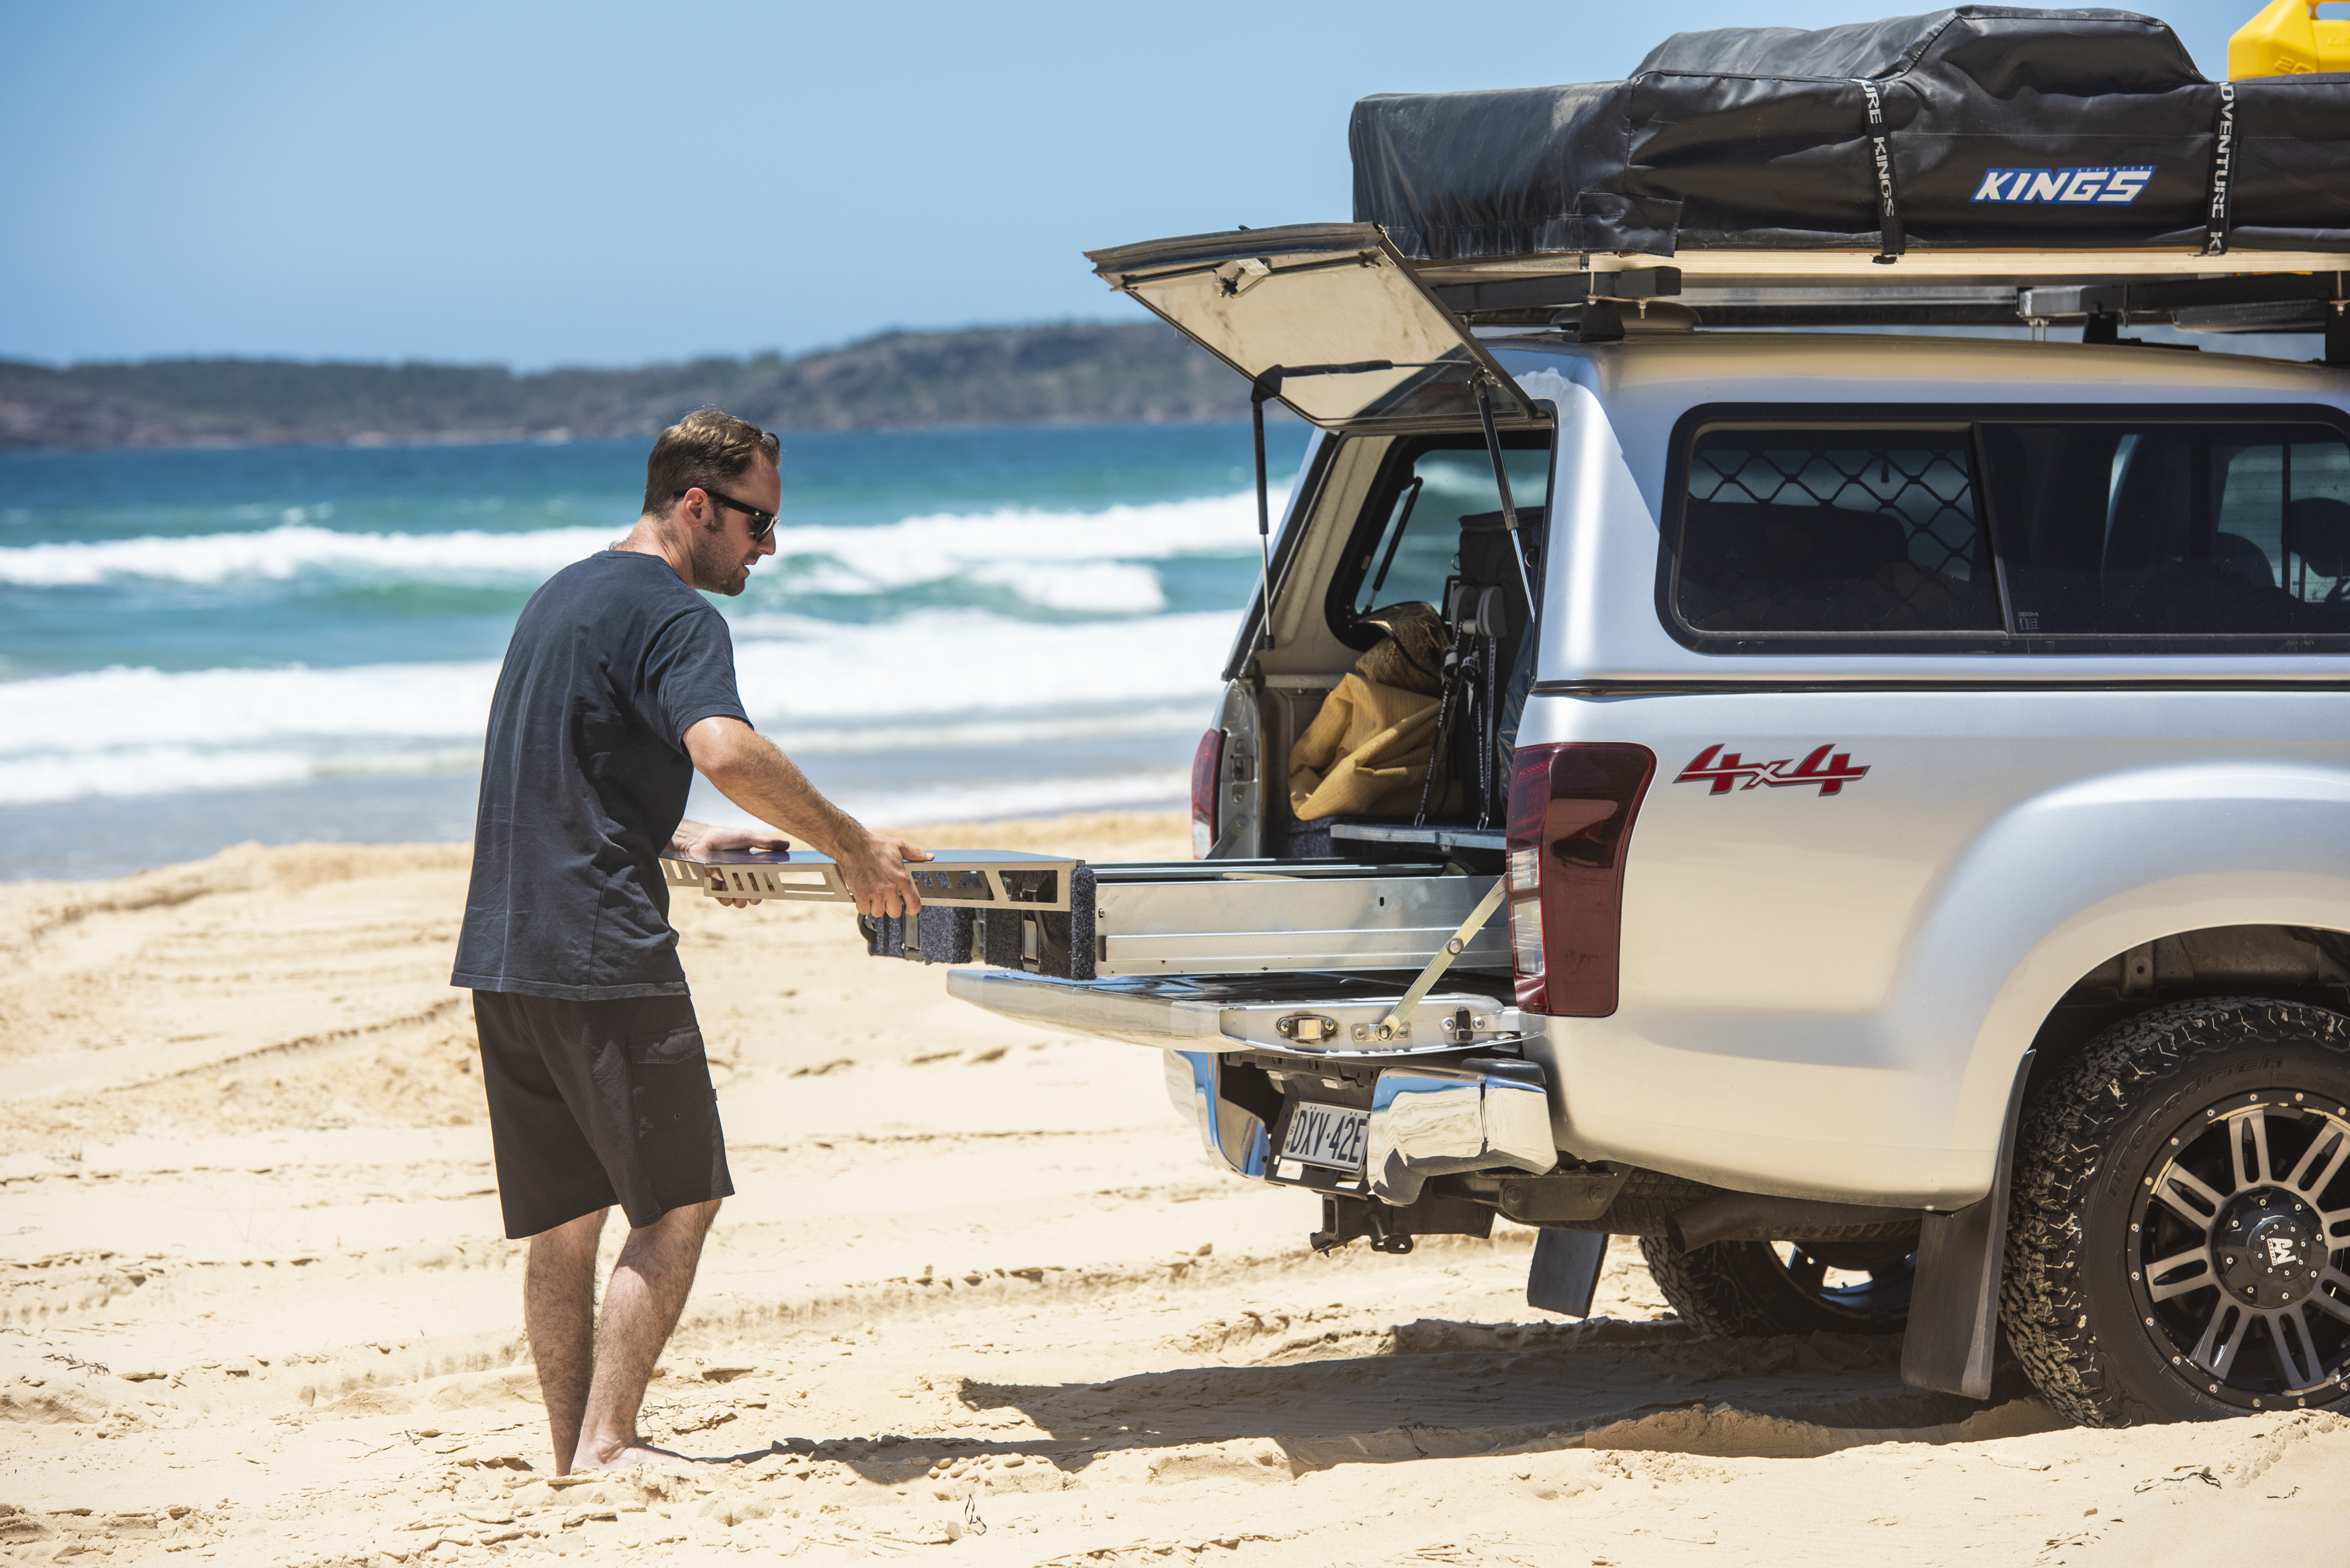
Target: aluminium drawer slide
(1215, 917)
(1064, 919)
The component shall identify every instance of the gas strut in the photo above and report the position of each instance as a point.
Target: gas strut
(1267, 385)
(1500, 483)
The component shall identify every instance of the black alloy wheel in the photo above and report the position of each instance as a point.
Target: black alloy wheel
(2233, 1231)
(2178, 1237)
(1757, 1290)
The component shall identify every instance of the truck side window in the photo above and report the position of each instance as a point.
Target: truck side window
(1834, 530)
(2162, 529)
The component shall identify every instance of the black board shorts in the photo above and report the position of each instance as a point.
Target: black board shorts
(597, 1103)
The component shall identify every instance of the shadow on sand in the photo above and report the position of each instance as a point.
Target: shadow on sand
(1447, 1389)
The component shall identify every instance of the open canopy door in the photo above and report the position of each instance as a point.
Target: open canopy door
(1356, 339)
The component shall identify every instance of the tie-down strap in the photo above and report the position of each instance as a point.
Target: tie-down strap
(1891, 241)
(1452, 950)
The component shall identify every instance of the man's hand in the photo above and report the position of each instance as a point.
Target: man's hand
(740, 838)
(874, 867)
(695, 838)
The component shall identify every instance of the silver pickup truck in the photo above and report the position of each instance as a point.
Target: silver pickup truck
(1889, 845)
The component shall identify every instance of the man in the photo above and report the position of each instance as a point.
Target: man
(618, 684)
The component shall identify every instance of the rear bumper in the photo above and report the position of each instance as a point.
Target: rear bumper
(1441, 1102)
(1479, 1114)
(1484, 1115)
(1306, 1015)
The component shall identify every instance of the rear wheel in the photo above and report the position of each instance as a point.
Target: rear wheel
(2182, 1212)
(1754, 1290)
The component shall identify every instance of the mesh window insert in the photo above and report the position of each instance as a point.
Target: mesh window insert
(1834, 531)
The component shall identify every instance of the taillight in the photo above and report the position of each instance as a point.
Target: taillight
(1571, 811)
(1207, 764)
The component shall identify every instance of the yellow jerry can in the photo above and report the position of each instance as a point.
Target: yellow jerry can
(2289, 39)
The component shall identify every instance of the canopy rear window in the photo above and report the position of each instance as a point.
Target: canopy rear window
(2174, 531)
(1358, 340)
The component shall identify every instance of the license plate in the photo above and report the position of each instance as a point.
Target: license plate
(1327, 1135)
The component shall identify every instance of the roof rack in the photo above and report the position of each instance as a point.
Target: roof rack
(2101, 291)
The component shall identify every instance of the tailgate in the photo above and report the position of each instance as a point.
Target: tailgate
(1310, 1015)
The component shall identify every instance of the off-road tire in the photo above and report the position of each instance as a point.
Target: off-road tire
(1740, 1290)
(2092, 1141)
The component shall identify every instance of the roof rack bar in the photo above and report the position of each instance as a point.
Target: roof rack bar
(1859, 314)
(1556, 289)
(2128, 299)
(2002, 295)
(2309, 300)
(1852, 265)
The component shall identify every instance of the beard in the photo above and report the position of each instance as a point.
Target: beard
(718, 561)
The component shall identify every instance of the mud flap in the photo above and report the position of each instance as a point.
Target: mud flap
(1952, 1336)
(1565, 1275)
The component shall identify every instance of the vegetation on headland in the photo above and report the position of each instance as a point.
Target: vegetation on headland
(1066, 374)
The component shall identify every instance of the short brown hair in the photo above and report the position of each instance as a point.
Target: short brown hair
(707, 448)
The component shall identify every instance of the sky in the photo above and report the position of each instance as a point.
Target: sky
(602, 182)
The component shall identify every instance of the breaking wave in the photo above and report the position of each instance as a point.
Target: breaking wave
(933, 680)
(1070, 559)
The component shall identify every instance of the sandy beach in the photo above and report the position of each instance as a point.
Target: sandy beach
(979, 1299)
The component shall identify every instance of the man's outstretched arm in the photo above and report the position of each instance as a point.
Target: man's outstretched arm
(748, 770)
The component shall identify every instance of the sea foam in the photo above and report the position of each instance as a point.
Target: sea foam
(926, 681)
(1005, 546)
(973, 800)
(465, 554)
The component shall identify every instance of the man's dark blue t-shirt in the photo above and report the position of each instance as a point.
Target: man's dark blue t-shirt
(584, 779)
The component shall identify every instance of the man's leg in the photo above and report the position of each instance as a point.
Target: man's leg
(641, 1303)
(559, 1310)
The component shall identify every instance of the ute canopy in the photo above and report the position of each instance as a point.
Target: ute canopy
(1357, 340)
(1978, 127)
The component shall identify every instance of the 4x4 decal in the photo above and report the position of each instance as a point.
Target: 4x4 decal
(1723, 769)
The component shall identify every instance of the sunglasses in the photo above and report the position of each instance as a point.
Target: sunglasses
(762, 522)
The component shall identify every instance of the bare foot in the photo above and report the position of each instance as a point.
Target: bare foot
(625, 1455)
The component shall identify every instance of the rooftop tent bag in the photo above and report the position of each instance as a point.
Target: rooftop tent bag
(1978, 127)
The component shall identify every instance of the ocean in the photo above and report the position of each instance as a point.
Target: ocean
(200, 648)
